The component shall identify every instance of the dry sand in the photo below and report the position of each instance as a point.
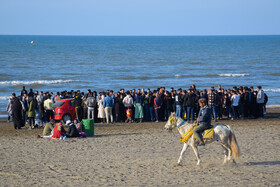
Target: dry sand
(139, 155)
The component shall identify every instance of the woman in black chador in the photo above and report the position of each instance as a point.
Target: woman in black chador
(17, 113)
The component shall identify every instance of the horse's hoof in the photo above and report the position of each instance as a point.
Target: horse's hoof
(233, 161)
(198, 163)
(177, 164)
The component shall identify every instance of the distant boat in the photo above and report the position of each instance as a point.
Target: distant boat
(32, 42)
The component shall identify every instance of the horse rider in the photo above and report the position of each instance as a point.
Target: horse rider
(204, 121)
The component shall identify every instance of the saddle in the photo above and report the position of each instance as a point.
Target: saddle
(207, 134)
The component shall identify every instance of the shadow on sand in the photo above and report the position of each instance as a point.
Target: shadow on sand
(107, 135)
(266, 163)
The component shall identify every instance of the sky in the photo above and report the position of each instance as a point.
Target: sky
(145, 17)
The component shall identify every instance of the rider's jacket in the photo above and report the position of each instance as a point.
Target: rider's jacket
(205, 116)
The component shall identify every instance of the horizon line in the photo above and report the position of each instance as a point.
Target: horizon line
(140, 35)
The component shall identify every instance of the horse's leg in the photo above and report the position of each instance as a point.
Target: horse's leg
(226, 153)
(227, 146)
(181, 154)
(195, 150)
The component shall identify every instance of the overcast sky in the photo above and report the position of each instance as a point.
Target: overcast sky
(143, 17)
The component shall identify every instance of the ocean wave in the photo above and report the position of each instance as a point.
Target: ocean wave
(5, 97)
(272, 90)
(35, 82)
(233, 74)
(191, 75)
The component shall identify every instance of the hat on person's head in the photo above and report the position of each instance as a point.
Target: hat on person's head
(68, 122)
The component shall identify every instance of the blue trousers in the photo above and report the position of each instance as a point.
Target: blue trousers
(190, 112)
(178, 110)
(151, 109)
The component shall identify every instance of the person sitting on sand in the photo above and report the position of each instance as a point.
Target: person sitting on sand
(58, 131)
(78, 125)
(72, 131)
(49, 128)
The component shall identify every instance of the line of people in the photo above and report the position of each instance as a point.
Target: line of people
(143, 105)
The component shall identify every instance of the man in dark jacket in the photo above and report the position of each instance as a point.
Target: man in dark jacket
(168, 102)
(190, 103)
(178, 103)
(247, 100)
(17, 112)
(151, 98)
(204, 121)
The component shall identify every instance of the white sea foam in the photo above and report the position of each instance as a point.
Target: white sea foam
(177, 75)
(233, 74)
(272, 90)
(5, 97)
(35, 82)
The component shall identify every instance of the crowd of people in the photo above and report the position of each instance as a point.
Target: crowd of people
(140, 105)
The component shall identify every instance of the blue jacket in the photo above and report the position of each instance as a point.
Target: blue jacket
(205, 116)
(178, 99)
(139, 99)
(108, 102)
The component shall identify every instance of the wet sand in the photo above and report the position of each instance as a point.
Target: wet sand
(139, 155)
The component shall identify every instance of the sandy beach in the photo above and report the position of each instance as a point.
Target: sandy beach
(139, 155)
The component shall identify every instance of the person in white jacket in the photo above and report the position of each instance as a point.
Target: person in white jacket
(260, 101)
(128, 103)
(128, 100)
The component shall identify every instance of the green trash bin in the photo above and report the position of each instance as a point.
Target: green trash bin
(88, 126)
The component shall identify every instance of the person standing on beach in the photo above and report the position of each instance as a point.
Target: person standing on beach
(260, 101)
(85, 107)
(24, 103)
(91, 102)
(138, 104)
(212, 103)
(78, 106)
(151, 97)
(247, 100)
(178, 103)
(9, 110)
(157, 105)
(128, 102)
(117, 107)
(191, 101)
(101, 112)
(168, 102)
(31, 112)
(108, 104)
(31, 93)
(23, 91)
(235, 103)
(48, 106)
(17, 112)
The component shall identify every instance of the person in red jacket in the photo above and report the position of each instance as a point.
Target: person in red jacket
(58, 131)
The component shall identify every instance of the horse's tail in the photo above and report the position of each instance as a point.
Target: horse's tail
(233, 143)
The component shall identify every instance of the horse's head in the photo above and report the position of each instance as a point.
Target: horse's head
(171, 122)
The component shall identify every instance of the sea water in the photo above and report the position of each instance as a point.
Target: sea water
(57, 63)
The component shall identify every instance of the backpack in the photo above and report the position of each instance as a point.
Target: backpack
(91, 102)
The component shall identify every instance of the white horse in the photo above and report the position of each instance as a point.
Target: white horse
(222, 133)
